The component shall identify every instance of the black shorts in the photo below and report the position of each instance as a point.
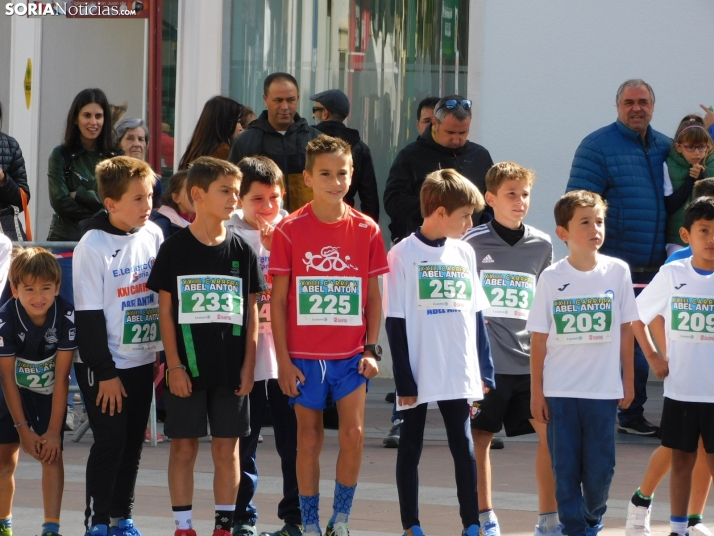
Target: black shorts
(228, 414)
(38, 411)
(508, 406)
(683, 423)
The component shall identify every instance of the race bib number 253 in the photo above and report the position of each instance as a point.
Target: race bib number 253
(510, 294)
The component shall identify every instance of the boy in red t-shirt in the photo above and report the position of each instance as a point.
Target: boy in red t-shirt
(326, 311)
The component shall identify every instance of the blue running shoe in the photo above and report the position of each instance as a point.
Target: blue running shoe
(471, 531)
(126, 528)
(98, 530)
(414, 531)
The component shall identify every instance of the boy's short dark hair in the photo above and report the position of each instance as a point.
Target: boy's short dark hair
(702, 208)
(704, 187)
(505, 171)
(259, 169)
(325, 144)
(566, 205)
(205, 170)
(33, 264)
(115, 174)
(449, 189)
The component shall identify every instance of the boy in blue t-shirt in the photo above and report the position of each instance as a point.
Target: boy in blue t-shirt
(37, 343)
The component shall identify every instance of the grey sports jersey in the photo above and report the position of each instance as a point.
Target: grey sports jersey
(510, 342)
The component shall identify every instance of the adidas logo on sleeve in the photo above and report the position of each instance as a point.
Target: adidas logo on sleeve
(487, 259)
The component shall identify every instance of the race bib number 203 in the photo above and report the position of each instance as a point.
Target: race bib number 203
(583, 320)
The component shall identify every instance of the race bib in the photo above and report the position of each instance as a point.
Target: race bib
(334, 301)
(263, 299)
(37, 376)
(692, 319)
(509, 293)
(210, 298)
(141, 331)
(583, 320)
(443, 286)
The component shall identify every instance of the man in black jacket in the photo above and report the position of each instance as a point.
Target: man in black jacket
(444, 145)
(280, 134)
(330, 111)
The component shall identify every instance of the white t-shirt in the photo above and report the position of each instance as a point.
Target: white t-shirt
(266, 364)
(109, 273)
(582, 312)
(437, 291)
(686, 301)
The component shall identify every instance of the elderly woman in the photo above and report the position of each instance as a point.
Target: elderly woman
(132, 137)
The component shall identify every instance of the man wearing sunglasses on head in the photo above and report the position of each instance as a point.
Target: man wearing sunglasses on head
(444, 145)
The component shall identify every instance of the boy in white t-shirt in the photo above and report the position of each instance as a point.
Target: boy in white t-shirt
(681, 294)
(261, 190)
(581, 332)
(432, 302)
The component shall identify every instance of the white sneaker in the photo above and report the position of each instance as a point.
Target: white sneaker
(557, 531)
(700, 529)
(69, 420)
(638, 520)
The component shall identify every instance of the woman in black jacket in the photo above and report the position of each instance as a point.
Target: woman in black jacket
(12, 171)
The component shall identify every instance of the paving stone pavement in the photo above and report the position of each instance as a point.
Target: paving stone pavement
(376, 508)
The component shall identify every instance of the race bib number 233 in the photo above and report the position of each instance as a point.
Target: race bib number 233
(210, 298)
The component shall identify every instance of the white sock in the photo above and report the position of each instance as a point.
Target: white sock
(488, 515)
(183, 519)
(548, 521)
(678, 525)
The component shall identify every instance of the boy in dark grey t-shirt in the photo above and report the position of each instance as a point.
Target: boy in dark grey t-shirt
(510, 257)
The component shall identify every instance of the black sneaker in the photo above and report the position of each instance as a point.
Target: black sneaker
(392, 439)
(639, 426)
(389, 398)
(497, 443)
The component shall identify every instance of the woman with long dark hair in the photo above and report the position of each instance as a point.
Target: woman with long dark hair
(217, 127)
(87, 141)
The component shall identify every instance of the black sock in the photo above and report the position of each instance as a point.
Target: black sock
(638, 500)
(224, 519)
(693, 520)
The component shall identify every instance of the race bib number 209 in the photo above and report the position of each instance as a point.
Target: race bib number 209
(692, 318)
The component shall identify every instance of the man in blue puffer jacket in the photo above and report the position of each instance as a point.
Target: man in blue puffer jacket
(623, 163)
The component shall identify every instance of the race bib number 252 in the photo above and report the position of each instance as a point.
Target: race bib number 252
(443, 286)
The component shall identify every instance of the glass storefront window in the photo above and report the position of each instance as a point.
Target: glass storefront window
(386, 55)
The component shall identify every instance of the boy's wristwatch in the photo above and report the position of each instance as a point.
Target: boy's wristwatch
(376, 349)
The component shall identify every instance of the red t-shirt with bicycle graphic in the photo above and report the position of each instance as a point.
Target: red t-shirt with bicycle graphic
(329, 265)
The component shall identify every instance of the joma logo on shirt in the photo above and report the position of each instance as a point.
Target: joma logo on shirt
(327, 261)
